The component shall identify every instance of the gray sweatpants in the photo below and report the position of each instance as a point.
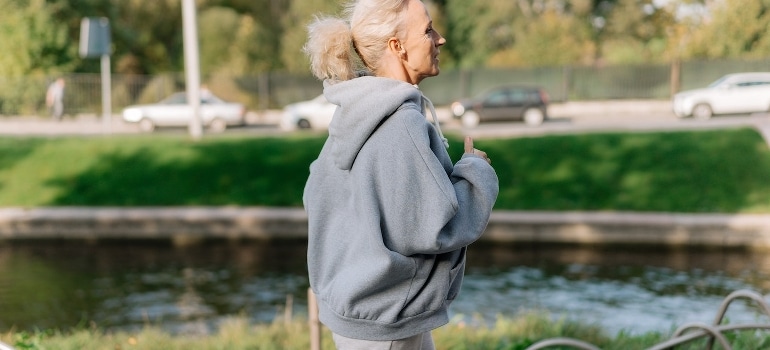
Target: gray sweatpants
(422, 341)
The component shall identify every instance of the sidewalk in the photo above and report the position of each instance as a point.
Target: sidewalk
(566, 117)
(91, 124)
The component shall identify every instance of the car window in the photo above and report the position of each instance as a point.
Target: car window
(178, 98)
(752, 83)
(717, 82)
(519, 96)
(496, 98)
(211, 99)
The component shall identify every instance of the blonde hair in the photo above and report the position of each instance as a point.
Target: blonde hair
(339, 47)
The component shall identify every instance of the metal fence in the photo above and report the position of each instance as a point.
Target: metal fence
(26, 95)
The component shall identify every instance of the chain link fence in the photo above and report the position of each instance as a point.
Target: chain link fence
(25, 96)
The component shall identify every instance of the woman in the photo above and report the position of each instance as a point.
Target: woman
(389, 215)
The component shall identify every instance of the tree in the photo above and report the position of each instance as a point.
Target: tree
(478, 29)
(33, 43)
(637, 32)
(734, 29)
(550, 39)
(295, 22)
(216, 23)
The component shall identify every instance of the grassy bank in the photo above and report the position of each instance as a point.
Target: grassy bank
(698, 171)
(236, 334)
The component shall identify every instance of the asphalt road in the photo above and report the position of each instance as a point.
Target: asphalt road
(570, 117)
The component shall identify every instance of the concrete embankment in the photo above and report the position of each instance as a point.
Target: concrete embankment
(190, 225)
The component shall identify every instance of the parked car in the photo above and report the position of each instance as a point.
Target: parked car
(510, 102)
(736, 93)
(173, 111)
(312, 114)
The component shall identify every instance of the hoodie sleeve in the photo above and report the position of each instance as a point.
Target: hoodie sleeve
(426, 205)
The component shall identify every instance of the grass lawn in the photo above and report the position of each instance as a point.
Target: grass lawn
(695, 171)
(506, 334)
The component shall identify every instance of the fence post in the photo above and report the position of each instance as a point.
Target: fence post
(566, 77)
(263, 89)
(315, 323)
(676, 79)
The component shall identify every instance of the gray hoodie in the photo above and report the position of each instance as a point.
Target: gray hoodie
(389, 215)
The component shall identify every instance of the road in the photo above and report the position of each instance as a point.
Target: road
(570, 117)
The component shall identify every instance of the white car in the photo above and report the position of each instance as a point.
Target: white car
(737, 93)
(174, 111)
(314, 114)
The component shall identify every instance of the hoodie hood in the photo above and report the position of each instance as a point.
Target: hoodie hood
(363, 103)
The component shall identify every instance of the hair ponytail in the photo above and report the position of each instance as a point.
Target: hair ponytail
(329, 47)
(331, 41)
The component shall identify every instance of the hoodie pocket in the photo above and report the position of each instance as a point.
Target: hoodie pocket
(456, 273)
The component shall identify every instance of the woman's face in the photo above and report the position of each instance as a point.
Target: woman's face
(421, 43)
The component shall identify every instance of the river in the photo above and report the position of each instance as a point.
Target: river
(125, 285)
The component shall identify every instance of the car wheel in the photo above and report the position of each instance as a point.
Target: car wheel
(471, 119)
(146, 125)
(534, 116)
(303, 124)
(217, 125)
(702, 111)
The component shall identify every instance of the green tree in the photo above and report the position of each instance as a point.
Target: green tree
(478, 29)
(637, 32)
(147, 34)
(298, 16)
(734, 29)
(550, 39)
(216, 23)
(33, 42)
(267, 15)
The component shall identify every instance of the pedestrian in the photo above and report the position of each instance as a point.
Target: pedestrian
(389, 215)
(54, 98)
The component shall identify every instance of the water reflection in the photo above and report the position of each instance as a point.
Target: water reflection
(636, 289)
(191, 289)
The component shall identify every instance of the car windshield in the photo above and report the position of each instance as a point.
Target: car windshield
(718, 82)
(181, 98)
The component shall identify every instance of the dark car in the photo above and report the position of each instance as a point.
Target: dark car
(512, 102)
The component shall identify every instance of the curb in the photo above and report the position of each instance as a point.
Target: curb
(183, 225)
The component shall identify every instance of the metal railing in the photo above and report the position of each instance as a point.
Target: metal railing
(687, 332)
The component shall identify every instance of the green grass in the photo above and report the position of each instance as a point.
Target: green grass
(237, 333)
(699, 171)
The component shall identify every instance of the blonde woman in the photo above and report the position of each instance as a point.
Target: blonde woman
(389, 214)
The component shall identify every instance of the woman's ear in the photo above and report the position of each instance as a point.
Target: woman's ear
(394, 45)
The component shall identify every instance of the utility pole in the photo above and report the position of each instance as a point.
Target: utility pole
(192, 66)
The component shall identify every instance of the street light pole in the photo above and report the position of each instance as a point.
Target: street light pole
(106, 95)
(192, 66)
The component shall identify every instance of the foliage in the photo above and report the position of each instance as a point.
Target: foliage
(248, 37)
(32, 43)
(737, 29)
(244, 52)
(515, 333)
(478, 28)
(554, 39)
(298, 16)
(703, 171)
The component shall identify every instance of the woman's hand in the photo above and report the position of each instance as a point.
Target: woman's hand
(469, 149)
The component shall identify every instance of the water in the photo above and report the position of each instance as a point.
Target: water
(192, 289)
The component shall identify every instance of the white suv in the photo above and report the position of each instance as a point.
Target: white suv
(731, 94)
